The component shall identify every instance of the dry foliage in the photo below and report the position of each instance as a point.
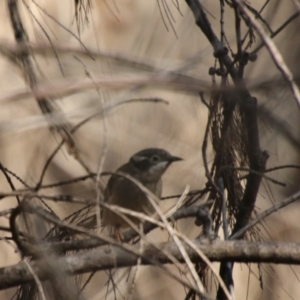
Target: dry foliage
(100, 80)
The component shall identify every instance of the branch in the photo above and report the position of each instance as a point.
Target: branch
(29, 69)
(200, 211)
(274, 53)
(248, 107)
(108, 257)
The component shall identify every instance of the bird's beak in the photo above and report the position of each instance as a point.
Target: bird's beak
(174, 158)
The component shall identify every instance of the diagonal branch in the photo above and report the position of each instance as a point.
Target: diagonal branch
(274, 53)
(29, 69)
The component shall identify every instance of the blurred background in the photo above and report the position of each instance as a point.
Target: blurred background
(132, 40)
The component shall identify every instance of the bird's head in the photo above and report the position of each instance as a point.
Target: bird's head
(153, 162)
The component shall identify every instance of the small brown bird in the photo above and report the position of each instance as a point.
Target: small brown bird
(146, 166)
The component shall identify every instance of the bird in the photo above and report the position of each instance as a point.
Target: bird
(147, 167)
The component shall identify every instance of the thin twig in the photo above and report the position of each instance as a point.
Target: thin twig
(265, 214)
(274, 53)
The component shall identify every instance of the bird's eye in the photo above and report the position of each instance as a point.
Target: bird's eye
(155, 158)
